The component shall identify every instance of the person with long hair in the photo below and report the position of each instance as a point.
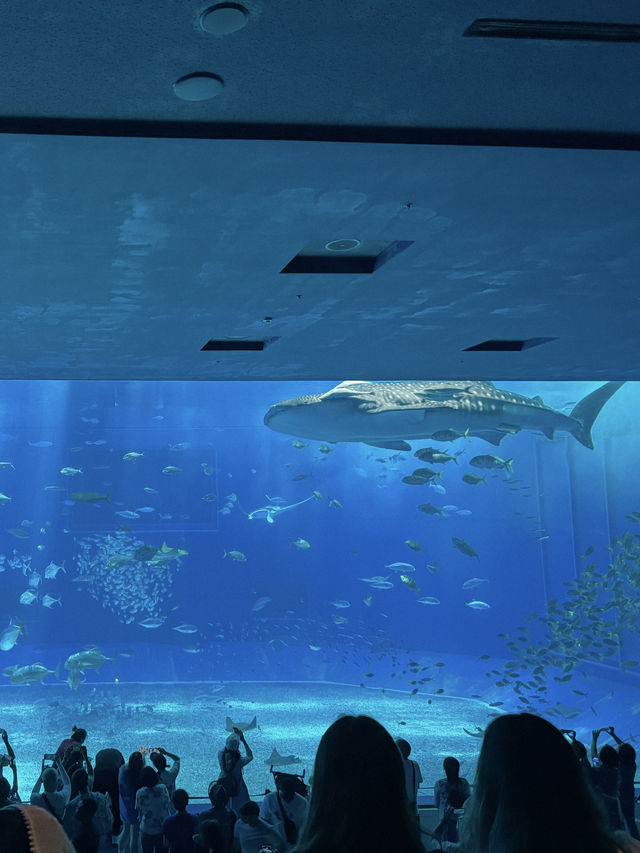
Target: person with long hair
(232, 764)
(128, 784)
(530, 794)
(449, 796)
(358, 798)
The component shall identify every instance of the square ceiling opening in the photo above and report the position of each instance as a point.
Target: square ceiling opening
(344, 255)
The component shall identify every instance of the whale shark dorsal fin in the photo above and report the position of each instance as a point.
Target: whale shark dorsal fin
(390, 445)
(349, 388)
(537, 400)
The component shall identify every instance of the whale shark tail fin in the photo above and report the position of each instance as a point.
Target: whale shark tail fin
(588, 409)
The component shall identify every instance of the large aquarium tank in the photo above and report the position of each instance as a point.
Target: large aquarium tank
(180, 557)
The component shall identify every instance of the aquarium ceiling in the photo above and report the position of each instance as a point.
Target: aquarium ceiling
(301, 191)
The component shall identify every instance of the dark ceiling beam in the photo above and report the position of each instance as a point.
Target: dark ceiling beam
(135, 128)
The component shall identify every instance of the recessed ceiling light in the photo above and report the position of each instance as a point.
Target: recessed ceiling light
(224, 18)
(561, 30)
(509, 345)
(342, 245)
(199, 86)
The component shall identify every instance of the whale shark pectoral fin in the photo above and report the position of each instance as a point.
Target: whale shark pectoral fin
(390, 445)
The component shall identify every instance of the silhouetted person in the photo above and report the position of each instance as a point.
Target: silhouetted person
(179, 828)
(606, 780)
(450, 795)
(105, 780)
(128, 784)
(223, 816)
(412, 773)
(530, 795)
(358, 798)
(231, 766)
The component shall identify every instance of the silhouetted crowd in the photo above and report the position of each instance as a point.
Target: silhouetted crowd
(536, 790)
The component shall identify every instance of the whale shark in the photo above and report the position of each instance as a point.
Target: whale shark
(391, 414)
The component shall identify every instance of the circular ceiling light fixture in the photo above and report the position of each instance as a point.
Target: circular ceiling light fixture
(199, 86)
(224, 18)
(342, 245)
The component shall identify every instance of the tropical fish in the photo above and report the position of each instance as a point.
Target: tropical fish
(301, 544)
(493, 463)
(277, 760)
(89, 497)
(4, 499)
(478, 605)
(341, 603)
(128, 513)
(400, 567)
(8, 465)
(49, 600)
(324, 448)
(430, 509)
(209, 498)
(171, 469)
(151, 622)
(474, 479)
(243, 727)
(449, 435)
(91, 658)
(407, 580)
(299, 444)
(335, 503)
(9, 636)
(382, 585)
(132, 456)
(165, 554)
(428, 599)
(368, 600)
(70, 472)
(472, 583)
(29, 673)
(415, 546)
(260, 603)
(28, 597)
(340, 620)
(236, 556)
(390, 414)
(186, 628)
(434, 456)
(150, 491)
(207, 469)
(463, 547)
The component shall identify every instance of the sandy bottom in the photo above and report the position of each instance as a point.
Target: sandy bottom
(189, 720)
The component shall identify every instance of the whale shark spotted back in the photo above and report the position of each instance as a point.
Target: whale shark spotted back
(391, 414)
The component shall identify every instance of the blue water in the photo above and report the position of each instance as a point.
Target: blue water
(267, 616)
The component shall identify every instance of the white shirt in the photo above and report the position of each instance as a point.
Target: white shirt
(295, 810)
(252, 838)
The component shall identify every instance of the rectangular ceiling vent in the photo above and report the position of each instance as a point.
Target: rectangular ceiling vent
(235, 345)
(344, 255)
(558, 30)
(508, 345)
